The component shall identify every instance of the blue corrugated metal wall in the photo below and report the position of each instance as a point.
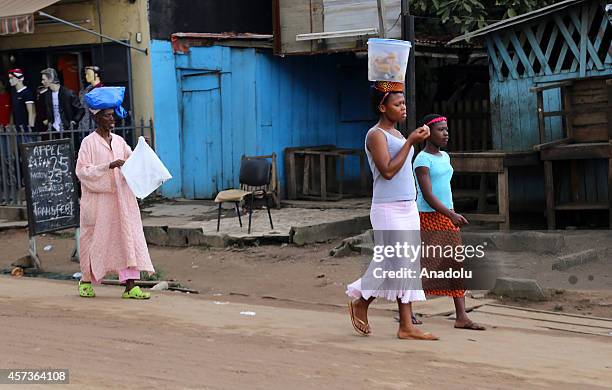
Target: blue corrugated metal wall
(267, 103)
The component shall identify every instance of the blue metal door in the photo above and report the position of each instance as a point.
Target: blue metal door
(201, 135)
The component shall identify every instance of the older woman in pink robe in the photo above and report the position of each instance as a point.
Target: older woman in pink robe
(112, 237)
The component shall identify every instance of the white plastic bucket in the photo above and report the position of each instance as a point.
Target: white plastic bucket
(387, 59)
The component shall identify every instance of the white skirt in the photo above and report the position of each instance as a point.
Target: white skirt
(393, 216)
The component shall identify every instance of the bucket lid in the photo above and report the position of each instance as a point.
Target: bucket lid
(385, 41)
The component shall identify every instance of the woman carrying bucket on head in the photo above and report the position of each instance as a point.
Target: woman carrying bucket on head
(393, 213)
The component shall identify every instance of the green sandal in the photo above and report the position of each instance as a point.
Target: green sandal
(86, 290)
(136, 293)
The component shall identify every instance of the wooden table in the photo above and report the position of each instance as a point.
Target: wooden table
(496, 162)
(326, 155)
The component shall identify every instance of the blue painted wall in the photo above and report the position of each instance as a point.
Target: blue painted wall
(268, 103)
(514, 117)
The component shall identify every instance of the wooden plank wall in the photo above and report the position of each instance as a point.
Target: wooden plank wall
(468, 123)
(589, 99)
(514, 120)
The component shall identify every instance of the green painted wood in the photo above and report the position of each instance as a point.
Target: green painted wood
(518, 49)
(568, 43)
(501, 48)
(536, 50)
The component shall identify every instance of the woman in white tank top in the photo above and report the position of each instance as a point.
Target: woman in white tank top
(394, 216)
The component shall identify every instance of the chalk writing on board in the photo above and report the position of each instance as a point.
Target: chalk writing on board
(50, 186)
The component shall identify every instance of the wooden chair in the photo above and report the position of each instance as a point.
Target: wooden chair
(255, 178)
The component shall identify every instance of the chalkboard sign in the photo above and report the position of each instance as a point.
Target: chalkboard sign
(51, 185)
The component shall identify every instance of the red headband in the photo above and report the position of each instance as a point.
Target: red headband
(436, 120)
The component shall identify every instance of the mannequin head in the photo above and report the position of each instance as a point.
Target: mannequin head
(93, 75)
(16, 78)
(50, 79)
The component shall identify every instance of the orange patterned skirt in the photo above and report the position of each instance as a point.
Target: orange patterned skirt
(437, 231)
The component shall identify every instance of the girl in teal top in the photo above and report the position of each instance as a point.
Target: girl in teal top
(439, 221)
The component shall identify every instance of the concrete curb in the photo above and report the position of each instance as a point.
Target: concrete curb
(4, 225)
(324, 232)
(13, 213)
(572, 260)
(519, 288)
(524, 241)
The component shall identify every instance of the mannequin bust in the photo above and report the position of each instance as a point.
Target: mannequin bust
(23, 110)
(64, 109)
(93, 76)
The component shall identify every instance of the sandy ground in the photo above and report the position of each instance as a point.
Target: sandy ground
(298, 338)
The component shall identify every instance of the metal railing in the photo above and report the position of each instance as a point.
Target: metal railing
(11, 175)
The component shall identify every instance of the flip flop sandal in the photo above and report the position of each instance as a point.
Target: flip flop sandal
(136, 293)
(471, 326)
(86, 290)
(416, 321)
(356, 321)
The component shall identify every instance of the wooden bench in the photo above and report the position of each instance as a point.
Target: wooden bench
(493, 162)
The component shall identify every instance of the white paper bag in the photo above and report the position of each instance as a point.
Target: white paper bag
(144, 171)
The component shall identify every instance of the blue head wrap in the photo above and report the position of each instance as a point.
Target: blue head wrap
(103, 98)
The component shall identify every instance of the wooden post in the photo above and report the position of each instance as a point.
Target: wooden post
(541, 122)
(362, 173)
(408, 35)
(482, 193)
(610, 188)
(33, 253)
(306, 176)
(291, 180)
(382, 31)
(341, 181)
(567, 110)
(550, 194)
(609, 89)
(503, 198)
(323, 177)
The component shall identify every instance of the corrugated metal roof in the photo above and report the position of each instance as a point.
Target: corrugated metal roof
(517, 20)
(22, 7)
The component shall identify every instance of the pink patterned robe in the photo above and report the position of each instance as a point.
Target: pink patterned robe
(112, 238)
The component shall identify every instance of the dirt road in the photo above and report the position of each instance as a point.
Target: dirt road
(182, 341)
